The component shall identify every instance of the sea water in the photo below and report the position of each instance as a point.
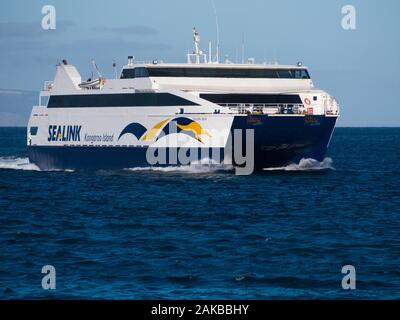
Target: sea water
(203, 232)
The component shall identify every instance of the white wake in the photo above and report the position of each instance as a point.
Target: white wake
(202, 166)
(23, 164)
(306, 165)
(17, 164)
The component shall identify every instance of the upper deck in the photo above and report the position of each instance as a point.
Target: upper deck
(220, 77)
(214, 70)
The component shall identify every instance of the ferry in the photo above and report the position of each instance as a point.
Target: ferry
(172, 114)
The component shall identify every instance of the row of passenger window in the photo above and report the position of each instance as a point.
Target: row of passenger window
(141, 72)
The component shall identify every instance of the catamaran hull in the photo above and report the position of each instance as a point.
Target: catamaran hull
(278, 141)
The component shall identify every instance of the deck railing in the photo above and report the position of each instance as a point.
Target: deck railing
(48, 85)
(265, 108)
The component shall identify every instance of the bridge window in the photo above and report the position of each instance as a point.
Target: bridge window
(33, 130)
(139, 72)
(301, 74)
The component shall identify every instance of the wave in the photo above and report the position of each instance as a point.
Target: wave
(307, 164)
(17, 164)
(202, 166)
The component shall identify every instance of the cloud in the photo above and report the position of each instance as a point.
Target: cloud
(14, 91)
(128, 30)
(42, 49)
(31, 29)
(115, 45)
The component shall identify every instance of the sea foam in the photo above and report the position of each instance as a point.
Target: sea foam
(307, 164)
(202, 166)
(17, 164)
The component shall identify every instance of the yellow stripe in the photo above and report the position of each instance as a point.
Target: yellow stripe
(151, 133)
(196, 128)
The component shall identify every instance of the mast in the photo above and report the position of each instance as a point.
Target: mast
(198, 53)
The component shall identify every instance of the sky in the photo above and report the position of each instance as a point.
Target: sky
(359, 67)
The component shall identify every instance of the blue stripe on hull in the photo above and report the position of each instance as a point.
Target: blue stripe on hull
(96, 157)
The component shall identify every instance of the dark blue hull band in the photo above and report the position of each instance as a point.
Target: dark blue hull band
(279, 141)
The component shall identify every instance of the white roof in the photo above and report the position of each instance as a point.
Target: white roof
(213, 65)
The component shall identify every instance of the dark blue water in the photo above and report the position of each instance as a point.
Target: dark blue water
(193, 233)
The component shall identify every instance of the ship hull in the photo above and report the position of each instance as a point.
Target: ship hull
(284, 140)
(278, 141)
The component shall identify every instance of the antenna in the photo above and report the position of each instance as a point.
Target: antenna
(236, 55)
(217, 29)
(115, 68)
(209, 52)
(242, 47)
(97, 69)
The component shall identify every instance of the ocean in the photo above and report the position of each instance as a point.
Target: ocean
(203, 232)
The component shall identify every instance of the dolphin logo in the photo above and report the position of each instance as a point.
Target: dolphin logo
(134, 128)
(154, 131)
(177, 125)
(186, 125)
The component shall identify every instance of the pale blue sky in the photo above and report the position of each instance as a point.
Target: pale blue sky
(359, 67)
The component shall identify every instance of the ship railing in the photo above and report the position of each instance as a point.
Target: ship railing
(44, 94)
(48, 85)
(331, 107)
(141, 62)
(265, 108)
